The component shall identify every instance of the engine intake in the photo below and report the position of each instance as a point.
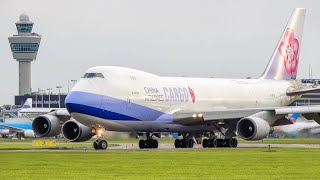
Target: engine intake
(46, 126)
(76, 132)
(253, 128)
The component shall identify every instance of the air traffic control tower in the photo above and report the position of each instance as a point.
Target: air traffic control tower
(24, 47)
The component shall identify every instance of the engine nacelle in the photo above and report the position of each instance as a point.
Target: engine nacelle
(28, 133)
(5, 132)
(46, 125)
(76, 132)
(253, 128)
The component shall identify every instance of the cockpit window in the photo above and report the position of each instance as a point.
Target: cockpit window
(93, 75)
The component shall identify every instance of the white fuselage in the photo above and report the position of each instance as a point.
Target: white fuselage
(171, 94)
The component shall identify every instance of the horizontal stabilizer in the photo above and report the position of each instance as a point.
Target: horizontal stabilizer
(303, 91)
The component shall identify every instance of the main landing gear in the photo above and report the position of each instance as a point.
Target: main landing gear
(213, 143)
(184, 143)
(149, 143)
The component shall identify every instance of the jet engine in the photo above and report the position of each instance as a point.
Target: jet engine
(76, 132)
(253, 128)
(28, 133)
(46, 125)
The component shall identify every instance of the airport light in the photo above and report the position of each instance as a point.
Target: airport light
(73, 83)
(59, 87)
(42, 91)
(37, 97)
(49, 89)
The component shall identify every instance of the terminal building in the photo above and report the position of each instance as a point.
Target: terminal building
(309, 98)
(42, 100)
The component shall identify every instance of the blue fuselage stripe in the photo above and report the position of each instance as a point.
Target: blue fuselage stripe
(97, 112)
(107, 107)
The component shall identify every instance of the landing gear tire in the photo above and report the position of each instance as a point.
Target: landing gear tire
(103, 144)
(205, 143)
(177, 143)
(95, 144)
(183, 143)
(220, 142)
(155, 144)
(209, 143)
(190, 143)
(234, 142)
(100, 144)
(214, 143)
(142, 144)
(150, 143)
(229, 142)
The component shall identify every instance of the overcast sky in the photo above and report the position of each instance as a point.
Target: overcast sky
(229, 39)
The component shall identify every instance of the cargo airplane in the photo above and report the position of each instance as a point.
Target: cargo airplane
(301, 127)
(129, 100)
(18, 128)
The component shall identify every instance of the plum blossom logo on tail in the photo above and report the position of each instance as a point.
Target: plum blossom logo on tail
(193, 97)
(289, 49)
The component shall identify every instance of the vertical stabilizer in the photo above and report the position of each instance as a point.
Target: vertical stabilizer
(284, 62)
(27, 104)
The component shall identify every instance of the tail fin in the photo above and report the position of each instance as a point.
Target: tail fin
(27, 104)
(283, 64)
(293, 117)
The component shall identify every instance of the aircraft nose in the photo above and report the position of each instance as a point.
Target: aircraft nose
(82, 102)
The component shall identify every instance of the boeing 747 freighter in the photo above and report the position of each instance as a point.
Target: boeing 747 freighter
(129, 100)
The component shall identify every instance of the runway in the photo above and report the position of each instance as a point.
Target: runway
(163, 147)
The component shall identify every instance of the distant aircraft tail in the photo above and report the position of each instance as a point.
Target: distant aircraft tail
(283, 64)
(293, 117)
(27, 104)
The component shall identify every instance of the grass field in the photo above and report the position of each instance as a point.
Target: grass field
(155, 164)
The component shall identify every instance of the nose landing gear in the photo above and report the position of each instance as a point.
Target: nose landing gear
(100, 143)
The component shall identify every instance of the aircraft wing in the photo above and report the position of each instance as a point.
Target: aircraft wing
(191, 118)
(62, 112)
(11, 128)
(39, 110)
